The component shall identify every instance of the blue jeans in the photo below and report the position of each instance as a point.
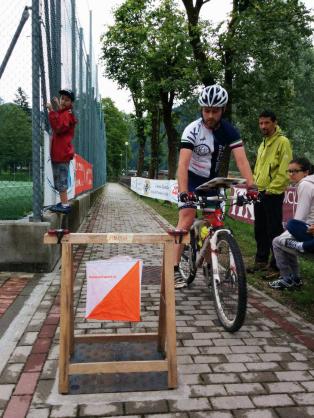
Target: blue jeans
(299, 230)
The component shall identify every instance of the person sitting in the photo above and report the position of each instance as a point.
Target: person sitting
(299, 234)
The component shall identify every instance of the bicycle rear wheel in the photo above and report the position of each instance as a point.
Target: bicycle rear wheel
(229, 283)
(187, 264)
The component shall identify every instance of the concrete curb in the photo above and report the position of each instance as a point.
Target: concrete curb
(21, 246)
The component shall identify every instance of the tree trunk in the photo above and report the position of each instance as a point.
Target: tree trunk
(141, 138)
(153, 168)
(172, 135)
(200, 56)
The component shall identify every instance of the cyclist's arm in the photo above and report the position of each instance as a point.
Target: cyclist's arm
(243, 165)
(183, 166)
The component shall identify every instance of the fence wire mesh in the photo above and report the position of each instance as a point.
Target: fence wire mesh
(51, 42)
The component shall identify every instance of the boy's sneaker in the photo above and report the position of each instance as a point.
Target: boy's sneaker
(65, 209)
(294, 245)
(179, 281)
(55, 208)
(60, 208)
(283, 283)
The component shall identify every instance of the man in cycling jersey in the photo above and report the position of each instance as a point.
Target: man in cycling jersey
(202, 144)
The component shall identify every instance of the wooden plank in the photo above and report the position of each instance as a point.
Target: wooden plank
(71, 342)
(90, 338)
(170, 316)
(65, 318)
(119, 367)
(162, 311)
(112, 238)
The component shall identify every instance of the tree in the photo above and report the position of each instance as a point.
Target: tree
(15, 136)
(160, 63)
(21, 100)
(123, 49)
(117, 135)
(257, 56)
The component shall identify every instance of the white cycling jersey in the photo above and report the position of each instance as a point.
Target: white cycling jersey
(208, 145)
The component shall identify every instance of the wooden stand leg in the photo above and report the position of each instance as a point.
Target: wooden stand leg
(72, 305)
(65, 318)
(162, 312)
(170, 316)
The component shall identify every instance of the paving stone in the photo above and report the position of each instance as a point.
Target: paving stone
(259, 377)
(38, 413)
(210, 414)
(256, 413)
(244, 388)
(221, 378)
(198, 391)
(20, 354)
(231, 402)
(50, 369)
(197, 404)
(11, 373)
(309, 386)
(173, 415)
(303, 398)
(64, 411)
(146, 407)
(194, 368)
(229, 367)
(284, 387)
(99, 410)
(246, 349)
(293, 376)
(295, 412)
(261, 366)
(272, 400)
(5, 394)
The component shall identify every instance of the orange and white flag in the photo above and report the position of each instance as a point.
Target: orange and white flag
(114, 289)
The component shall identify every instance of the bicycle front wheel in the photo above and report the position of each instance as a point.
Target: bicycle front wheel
(229, 283)
(187, 264)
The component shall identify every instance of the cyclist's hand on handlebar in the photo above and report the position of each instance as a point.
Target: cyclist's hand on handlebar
(187, 197)
(252, 193)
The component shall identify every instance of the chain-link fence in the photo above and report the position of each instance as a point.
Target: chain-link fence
(42, 50)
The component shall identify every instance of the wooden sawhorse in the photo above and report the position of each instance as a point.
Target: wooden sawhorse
(165, 337)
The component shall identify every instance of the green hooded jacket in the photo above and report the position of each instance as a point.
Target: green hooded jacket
(273, 157)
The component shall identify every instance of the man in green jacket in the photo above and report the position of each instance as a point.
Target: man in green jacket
(271, 178)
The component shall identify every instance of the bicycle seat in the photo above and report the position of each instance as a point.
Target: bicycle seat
(225, 182)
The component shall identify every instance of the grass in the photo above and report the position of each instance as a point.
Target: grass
(301, 301)
(15, 199)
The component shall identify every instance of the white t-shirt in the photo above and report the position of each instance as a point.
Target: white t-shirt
(208, 146)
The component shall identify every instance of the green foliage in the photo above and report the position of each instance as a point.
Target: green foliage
(15, 136)
(118, 125)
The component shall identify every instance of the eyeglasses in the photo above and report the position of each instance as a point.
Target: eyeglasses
(293, 171)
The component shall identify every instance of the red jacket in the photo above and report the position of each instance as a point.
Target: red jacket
(62, 123)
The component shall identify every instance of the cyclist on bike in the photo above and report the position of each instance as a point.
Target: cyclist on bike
(202, 144)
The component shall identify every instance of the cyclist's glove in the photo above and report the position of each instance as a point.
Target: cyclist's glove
(187, 197)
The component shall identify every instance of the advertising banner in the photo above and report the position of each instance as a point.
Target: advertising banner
(83, 175)
(246, 213)
(114, 289)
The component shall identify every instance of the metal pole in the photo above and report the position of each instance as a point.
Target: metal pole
(73, 27)
(81, 102)
(48, 43)
(25, 16)
(36, 111)
(58, 45)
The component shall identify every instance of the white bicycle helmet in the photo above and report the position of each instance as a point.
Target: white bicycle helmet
(213, 96)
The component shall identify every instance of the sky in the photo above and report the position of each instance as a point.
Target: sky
(18, 71)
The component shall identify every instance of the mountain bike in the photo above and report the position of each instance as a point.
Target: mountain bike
(214, 248)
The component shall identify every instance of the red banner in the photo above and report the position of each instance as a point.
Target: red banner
(83, 175)
(246, 213)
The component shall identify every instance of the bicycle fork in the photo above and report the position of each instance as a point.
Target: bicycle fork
(210, 244)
